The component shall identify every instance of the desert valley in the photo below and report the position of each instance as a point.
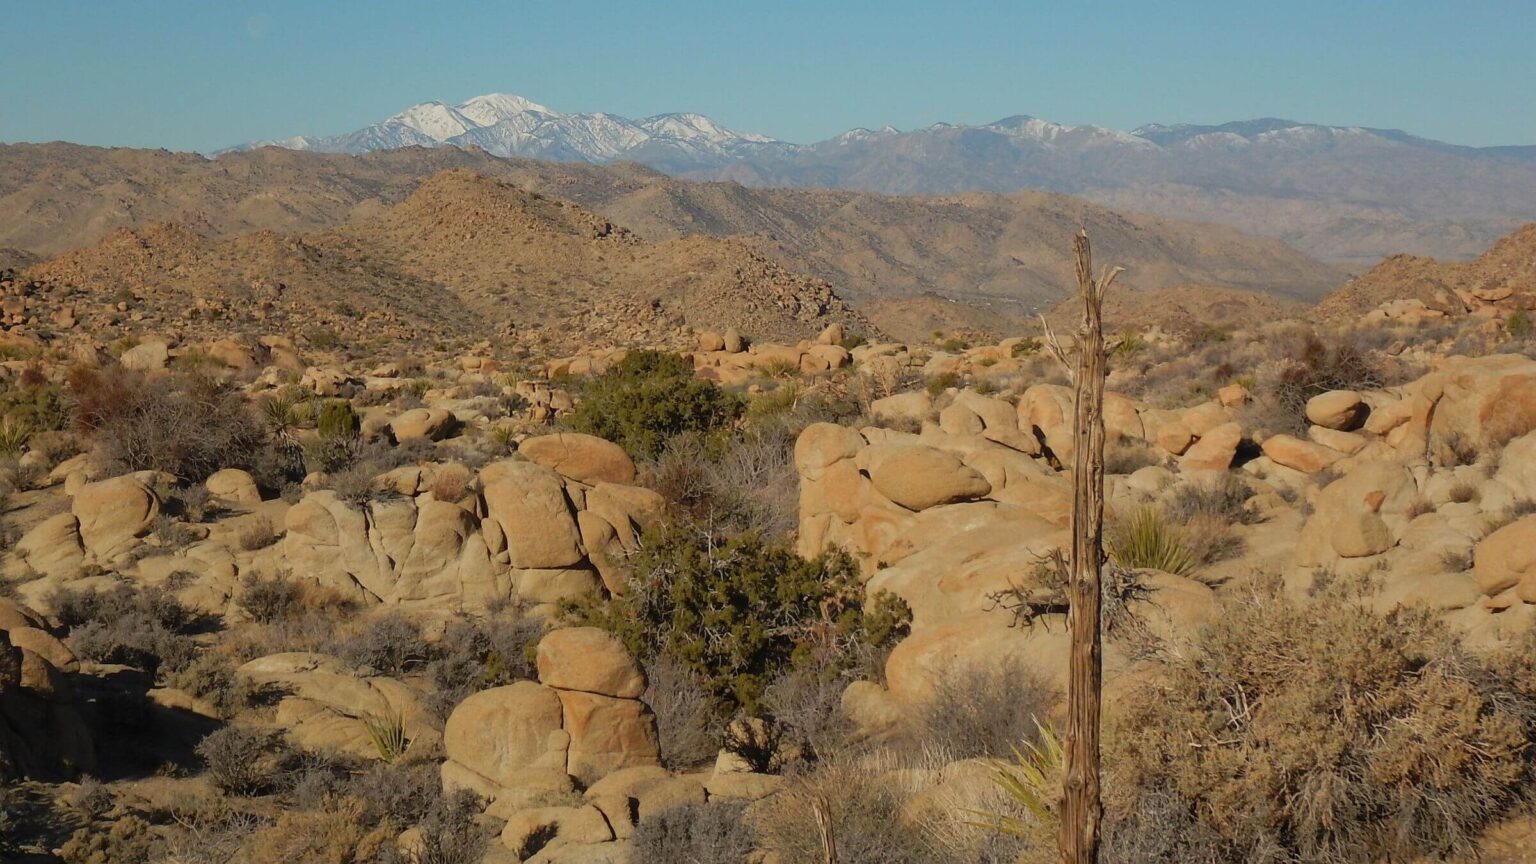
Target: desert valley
(494, 484)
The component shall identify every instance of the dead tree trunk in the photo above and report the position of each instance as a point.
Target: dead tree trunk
(1081, 808)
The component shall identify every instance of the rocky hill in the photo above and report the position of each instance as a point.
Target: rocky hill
(1503, 275)
(463, 258)
(1002, 251)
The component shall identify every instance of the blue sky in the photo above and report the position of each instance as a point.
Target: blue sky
(200, 75)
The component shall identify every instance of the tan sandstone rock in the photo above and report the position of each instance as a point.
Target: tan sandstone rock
(586, 458)
(589, 659)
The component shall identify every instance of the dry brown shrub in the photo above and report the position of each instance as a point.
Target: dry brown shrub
(333, 834)
(1315, 730)
(257, 534)
(185, 424)
(451, 483)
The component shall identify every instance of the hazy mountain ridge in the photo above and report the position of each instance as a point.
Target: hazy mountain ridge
(1344, 193)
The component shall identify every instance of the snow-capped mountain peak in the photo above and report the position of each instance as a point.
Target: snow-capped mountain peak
(434, 120)
(492, 108)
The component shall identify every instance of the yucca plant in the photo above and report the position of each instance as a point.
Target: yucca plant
(1033, 782)
(14, 435)
(387, 732)
(280, 414)
(504, 436)
(1148, 541)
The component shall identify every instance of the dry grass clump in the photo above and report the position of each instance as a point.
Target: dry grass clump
(1314, 730)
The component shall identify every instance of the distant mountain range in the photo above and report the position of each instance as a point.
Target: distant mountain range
(506, 125)
(1343, 193)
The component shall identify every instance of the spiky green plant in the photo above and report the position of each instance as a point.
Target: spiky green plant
(14, 435)
(280, 413)
(1033, 782)
(387, 733)
(1148, 541)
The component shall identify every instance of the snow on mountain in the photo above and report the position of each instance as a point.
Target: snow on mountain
(434, 120)
(688, 143)
(508, 125)
(492, 108)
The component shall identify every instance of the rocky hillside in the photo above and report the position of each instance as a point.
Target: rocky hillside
(1001, 251)
(463, 258)
(1503, 276)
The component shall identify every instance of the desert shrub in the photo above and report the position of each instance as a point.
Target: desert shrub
(1518, 325)
(331, 455)
(257, 534)
(330, 834)
(450, 832)
(739, 611)
(1463, 492)
(337, 419)
(388, 644)
(475, 655)
(451, 483)
(954, 345)
(268, 599)
(1317, 730)
(984, 710)
(92, 799)
(398, 793)
(650, 397)
(851, 341)
(808, 708)
(211, 677)
(1146, 540)
(129, 839)
(242, 761)
(357, 486)
(941, 382)
(695, 833)
(688, 716)
(34, 405)
(865, 811)
(1306, 365)
(146, 629)
(1224, 498)
(1124, 457)
(185, 424)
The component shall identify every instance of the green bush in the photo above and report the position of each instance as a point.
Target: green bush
(34, 404)
(337, 419)
(650, 397)
(742, 611)
(1519, 325)
(1317, 730)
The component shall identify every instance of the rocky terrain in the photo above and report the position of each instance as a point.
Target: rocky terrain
(1001, 254)
(455, 520)
(463, 258)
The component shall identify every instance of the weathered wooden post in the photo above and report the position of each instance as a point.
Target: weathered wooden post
(1081, 808)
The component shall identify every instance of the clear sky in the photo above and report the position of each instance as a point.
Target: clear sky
(202, 74)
